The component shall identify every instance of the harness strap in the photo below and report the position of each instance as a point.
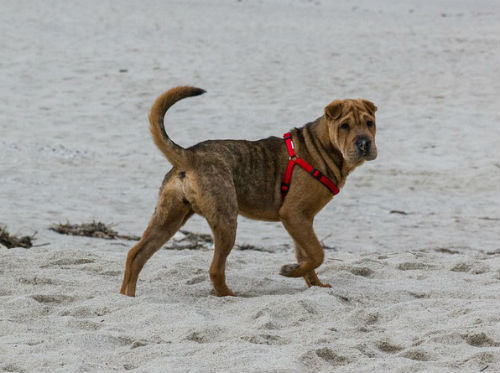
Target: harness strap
(294, 160)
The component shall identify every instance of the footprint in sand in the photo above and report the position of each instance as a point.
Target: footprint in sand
(330, 357)
(68, 262)
(452, 339)
(11, 368)
(480, 340)
(365, 350)
(419, 295)
(316, 359)
(84, 325)
(285, 314)
(196, 280)
(264, 320)
(138, 344)
(204, 336)
(132, 342)
(387, 347)
(359, 271)
(412, 266)
(265, 339)
(476, 268)
(461, 267)
(418, 355)
(363, 319)
(35, 281)
(53, 299)
(483, 358)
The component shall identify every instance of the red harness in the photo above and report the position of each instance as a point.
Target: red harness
(294, 160)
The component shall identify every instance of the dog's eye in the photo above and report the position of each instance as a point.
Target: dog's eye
(369, 123)
(345, 126)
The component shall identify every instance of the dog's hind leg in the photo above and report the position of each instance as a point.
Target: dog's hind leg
(224, 236)
(219, 206)
(310, 277)
(170, 214)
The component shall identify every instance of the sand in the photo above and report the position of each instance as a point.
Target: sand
(413, 249)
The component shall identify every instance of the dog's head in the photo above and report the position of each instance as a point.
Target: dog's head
(351, 127)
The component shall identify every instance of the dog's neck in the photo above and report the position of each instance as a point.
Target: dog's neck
(315, 138)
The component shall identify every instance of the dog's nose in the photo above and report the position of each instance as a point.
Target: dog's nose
(363, 143)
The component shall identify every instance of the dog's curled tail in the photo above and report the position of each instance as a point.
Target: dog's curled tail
(176, 154)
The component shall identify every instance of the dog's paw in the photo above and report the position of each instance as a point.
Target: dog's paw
(288, 270)
(322, 285)
(224, 292)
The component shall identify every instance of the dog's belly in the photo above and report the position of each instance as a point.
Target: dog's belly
(259, 214)
(258, 199)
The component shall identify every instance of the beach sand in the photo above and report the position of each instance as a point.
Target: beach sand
(412, 240)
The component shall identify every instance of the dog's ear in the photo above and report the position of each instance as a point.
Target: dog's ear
(334, 109)
(370, 106)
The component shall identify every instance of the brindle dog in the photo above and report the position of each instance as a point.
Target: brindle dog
(220, 179)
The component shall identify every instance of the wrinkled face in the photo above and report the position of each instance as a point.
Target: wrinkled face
(351, 126)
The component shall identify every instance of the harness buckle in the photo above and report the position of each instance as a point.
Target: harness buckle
(284, 188)
(316, 173)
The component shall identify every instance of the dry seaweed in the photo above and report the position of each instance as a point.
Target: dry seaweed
(400, 212)
(10, 241)
(254, 248)
(445, 250)
(197, 237)
(196, 241)
(94, 229)
(191, 241)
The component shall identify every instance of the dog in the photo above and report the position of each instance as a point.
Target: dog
(219, 179)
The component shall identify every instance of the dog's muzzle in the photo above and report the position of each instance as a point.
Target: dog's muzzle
(366, 149)
(363, 143)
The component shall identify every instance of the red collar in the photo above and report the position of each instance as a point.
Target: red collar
(294, 160)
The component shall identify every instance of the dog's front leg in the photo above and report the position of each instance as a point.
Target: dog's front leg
(310, 277)
(301, 229)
